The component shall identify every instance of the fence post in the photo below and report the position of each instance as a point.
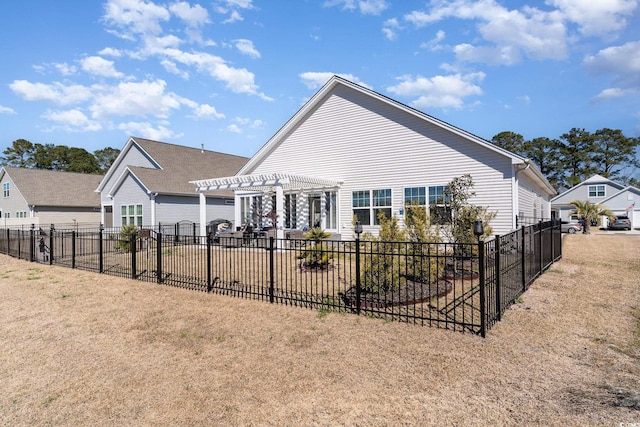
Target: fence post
(540, 258)
(498, 266)
(73, 249)
(8, 241)
(159, 257)
(483, 284)
(31, 243)
(132, 244)
(209, 284)
(100, 250)
(195, 237)
(51, 230)
(20, 232)
(358, 284)
(271, 272)
(524, 262)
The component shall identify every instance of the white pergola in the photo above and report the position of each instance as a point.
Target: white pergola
(261, 182)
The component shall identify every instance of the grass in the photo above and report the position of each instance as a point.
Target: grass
(142, 354)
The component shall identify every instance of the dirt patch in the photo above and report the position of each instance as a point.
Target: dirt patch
(79, 348)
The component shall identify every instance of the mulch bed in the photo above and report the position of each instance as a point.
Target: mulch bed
(409, 294)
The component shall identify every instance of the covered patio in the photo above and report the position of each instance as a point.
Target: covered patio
(296, 202)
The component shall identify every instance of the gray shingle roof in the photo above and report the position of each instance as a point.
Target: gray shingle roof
(53, 188)
(183, 164)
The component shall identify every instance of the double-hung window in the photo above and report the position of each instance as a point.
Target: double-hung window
(5, 189)
(131, 214)
(368, 204)
(596, 191)
(438, 205)
(415, 200)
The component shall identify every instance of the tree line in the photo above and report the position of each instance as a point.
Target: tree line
(25, 154)
(578, 154)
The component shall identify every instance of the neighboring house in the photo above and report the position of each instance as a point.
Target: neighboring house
(148, 184)
(621, 200)
(44, 197)
(350, 151)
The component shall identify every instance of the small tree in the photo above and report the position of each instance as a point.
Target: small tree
(464, 214)
(383, 268)
(424, 263)
(588, 212)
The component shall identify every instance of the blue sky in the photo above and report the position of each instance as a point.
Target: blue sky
(229, 73)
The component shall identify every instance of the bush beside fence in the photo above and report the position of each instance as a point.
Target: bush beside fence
(422, 283)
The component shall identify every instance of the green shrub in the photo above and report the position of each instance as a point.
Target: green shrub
(383, 268)
(124, 237)
(317, 253)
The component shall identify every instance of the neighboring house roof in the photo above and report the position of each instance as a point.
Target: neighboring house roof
(594, 179)
(53, 188)
(525, 165)
(176, 166)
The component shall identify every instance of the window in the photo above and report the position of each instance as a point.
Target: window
(368, 204)
(290, 210)
(251, 210)
(21, 214)
(596, 191)
(438, 200)
(131, 214)
(415, 196)
(5, 190)
(7, 215)
(331, 210)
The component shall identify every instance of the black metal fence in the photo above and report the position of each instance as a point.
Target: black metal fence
(464, 287)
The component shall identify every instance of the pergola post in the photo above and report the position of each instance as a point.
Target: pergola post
(203, 215)
(279, 212)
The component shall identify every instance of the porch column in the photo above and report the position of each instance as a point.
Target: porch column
(279, 212)
(203, 214)
(152, 198)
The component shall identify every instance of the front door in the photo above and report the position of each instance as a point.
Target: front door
(315, 211)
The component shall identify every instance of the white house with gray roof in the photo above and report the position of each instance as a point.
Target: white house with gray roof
(44, 197)
(623, 201)
(148, 184)
(350, 151)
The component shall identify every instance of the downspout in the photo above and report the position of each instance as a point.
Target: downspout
(518, 168)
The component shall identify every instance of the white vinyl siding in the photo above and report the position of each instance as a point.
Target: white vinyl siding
(369, 144)
(132, 157)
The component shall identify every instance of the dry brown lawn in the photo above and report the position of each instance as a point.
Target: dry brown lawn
(78, 348)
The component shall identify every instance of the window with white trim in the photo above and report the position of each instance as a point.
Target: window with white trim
(131, 214)
(290, 210)
(331, 209)
(5, 189)
(21, 214)
(596, 191)
(438, 205)
(367, 204)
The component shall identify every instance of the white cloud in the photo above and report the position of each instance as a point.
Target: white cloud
(146, 130)
(622, 62)
(234, 128)
(390, 27)
(439, 91)
(65, 69)
(366, 7)
(434, 44)
(231, 7)
(246, 47)
(135, 17)
(597, 18)
(56, 92)
(195, 16)
(100, 67)
(6, 110)
(611, 93)
(135, 99)
(205, 111)
(72, 120)
(172, 68)
(510, 34)
(314, 80)
(109, 51)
